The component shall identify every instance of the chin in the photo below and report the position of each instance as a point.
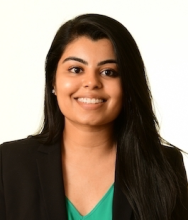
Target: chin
(95, 123)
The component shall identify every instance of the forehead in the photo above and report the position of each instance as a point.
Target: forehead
(86, 48)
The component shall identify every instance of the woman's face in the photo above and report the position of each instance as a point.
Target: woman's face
(87, 84)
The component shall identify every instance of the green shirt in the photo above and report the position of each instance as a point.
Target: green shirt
(103, 209)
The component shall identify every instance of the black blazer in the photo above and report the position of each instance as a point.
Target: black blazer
(31, 183)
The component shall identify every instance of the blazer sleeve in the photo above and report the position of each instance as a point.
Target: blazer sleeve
(181, 207)
(181, 174)
(2, 200)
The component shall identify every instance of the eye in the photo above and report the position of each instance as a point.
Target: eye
(110, 73)
(75, 70)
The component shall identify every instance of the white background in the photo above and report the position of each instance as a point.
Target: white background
(160, 28)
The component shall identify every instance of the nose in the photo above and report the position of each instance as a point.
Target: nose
(92, 80)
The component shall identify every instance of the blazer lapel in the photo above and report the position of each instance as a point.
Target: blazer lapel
(121, 207)
(50, 175)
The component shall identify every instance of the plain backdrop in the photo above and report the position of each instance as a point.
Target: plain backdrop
(160, 28)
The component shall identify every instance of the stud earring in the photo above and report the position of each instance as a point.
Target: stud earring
(53, 91)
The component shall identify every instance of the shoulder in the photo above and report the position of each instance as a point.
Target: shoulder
(173, 155)
(28, 149)
(175, 160)
(19, 148)
(171, 151)
(28, 141)
(18, 160)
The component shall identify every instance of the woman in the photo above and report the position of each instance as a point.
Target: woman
(99, 154)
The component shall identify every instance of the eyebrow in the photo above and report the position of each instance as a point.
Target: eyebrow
(86, 63)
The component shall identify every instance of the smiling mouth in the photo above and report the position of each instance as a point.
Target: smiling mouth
(90, 100)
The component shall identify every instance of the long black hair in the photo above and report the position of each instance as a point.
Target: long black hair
(146, 177)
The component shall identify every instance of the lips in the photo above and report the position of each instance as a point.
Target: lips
(90, 100)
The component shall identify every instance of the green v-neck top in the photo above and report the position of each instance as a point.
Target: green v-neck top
(103, 209)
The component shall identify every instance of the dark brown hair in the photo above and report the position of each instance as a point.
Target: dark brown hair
(146, 177)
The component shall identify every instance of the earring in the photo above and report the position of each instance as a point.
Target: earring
(53, 91)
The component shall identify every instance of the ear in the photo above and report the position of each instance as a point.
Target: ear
(54, 90)
(54, 84)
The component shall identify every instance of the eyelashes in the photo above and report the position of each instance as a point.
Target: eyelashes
(110, 73)
(106, 72)
(75, 70)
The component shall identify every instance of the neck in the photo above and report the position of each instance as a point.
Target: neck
(87, 140)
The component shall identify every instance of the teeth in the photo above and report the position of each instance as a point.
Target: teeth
(90, 101)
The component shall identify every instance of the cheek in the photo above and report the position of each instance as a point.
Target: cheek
(65, 86)
(62, 85)
(115, 90)
(119, 92)
(117, 95)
